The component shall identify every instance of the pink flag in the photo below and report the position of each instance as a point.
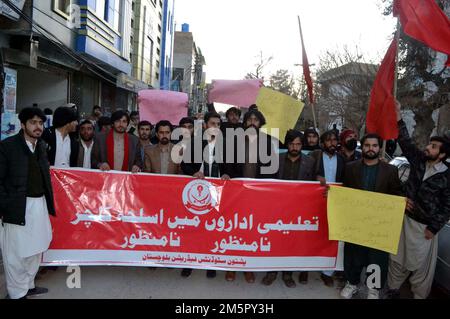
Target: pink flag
(157, 105)
(239, 92)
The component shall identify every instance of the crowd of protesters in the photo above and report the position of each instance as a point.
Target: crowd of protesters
(121, 142)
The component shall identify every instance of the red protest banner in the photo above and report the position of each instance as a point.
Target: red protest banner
(173, 221)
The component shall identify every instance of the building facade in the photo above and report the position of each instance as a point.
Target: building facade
(168, 37)
(87, 52)
(188, 70)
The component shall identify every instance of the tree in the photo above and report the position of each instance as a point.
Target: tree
(260, 65)
(345, 81)
(423, 83)
(284, 82)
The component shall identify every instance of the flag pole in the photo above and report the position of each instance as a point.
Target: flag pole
(311, 103)
(397, 38)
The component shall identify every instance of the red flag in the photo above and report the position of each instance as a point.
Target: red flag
(424, 21)
(306, 70)
(381, 117)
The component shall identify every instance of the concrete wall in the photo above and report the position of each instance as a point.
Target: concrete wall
(183, 58)
(54, 21)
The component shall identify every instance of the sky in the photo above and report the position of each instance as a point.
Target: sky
(231, 33)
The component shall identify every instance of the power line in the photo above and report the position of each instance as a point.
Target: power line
(60, 45)
(56, 20)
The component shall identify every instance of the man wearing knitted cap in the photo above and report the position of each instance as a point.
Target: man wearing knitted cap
(62, 146)
(349, 143)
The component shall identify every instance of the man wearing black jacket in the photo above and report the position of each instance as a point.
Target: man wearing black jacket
(330, 168)
(62, 145)
(427, 212)
(200, 166)
(26, 200)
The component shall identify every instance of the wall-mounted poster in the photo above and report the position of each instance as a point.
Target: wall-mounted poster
(10, 125)
(10, 91)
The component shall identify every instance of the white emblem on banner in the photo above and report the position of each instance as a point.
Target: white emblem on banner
(199, 197)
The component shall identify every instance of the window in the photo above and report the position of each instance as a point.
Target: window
(159, 40)
(178, 74)
(100, 9)
(158, 51)
(60, 6)
(160, 3)
(159, 27)
(117, 15)
(109, 11)
(157, 76)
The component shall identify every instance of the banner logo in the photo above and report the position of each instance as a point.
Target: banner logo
(199, 197)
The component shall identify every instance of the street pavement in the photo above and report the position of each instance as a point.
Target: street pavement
(164, 283)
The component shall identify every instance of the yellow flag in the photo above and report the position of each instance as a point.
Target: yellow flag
(280, 110)
(365, 218)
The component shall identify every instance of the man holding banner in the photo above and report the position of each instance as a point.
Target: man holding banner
(293, 166)
(428, 210)
(117, 149)
(369, 174)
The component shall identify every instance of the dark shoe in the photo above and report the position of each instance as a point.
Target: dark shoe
(269, 278)
(211, 274)
(327, 280)
(303, 277)
(37, 291)
(288, 281)
(230, 276)
(186, 273)
(339, 275)
(8, 297)
(249, 277)
(339, 279)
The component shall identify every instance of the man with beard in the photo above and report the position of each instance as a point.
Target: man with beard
(259, 163)
(62, 145)
(117, 150)
(330, 166)
(207, 164)
(373, 175)
(293, 166)
(349, 143)
(145, 133)
(233, 116)
(26, 200)
(311, 140)
(86, 144)
(158, 158)
(427, 212)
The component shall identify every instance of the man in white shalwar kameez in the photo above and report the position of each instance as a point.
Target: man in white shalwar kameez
(26, 201)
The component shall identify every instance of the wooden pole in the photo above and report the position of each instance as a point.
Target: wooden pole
(312, 104)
